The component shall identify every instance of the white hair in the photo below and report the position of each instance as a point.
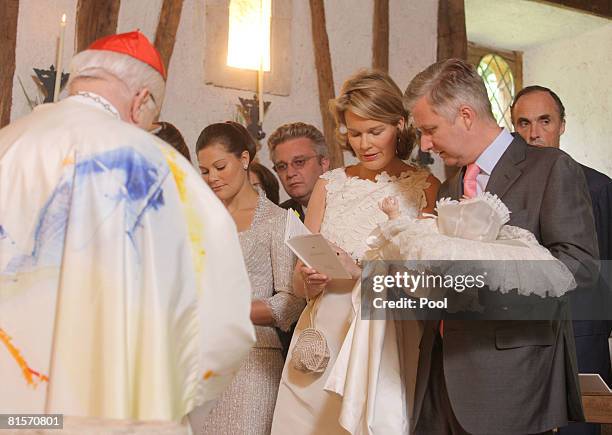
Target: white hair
(135, 74)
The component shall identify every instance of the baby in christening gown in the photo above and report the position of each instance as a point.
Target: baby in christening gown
(471, 230)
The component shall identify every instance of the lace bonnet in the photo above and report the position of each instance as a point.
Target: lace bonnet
(479, 218)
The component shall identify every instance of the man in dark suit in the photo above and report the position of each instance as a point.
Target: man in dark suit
(538, 116)
(501, 376)
(300, 155)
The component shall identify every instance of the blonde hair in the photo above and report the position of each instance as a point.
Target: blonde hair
(448, 85)
(297, 130)
(136, 75)
(372, 95)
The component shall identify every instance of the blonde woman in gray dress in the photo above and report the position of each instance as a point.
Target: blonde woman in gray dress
(224, 152)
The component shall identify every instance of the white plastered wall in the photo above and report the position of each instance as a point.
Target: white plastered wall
(578, 69)
(191, 104)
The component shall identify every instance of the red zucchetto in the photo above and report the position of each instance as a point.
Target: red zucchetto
(134, 44)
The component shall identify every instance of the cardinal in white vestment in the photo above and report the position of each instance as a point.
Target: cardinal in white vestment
(123, 291)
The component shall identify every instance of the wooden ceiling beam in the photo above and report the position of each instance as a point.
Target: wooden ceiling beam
(601, 8)
(325, 80)
(95, 19)
(380, 36)
(452, 35)
(452, 40)
(165, 35)
(9, 13)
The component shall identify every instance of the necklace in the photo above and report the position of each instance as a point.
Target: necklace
(101, 102)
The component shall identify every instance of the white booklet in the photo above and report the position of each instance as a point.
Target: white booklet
(313, 249)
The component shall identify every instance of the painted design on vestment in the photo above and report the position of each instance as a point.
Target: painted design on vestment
(120, 180)
(32, 377)
(194, 222)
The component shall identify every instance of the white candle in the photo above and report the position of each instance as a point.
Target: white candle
(260, 93)
(260, 72)
(58, 61)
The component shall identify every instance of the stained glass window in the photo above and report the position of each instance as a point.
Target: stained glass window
(499, 81)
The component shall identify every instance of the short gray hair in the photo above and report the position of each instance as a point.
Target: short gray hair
(135, 74)
(296, 130)
(448, 85)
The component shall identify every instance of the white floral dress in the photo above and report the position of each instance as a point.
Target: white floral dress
(306, 403)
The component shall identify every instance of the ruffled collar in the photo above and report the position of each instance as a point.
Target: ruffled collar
(383, 177)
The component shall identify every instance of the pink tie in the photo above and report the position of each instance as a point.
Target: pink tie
(470, 188)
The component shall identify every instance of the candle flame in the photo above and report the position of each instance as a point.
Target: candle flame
(63, 18)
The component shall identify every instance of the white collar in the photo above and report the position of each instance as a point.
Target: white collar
(491, 155)
(95, 100)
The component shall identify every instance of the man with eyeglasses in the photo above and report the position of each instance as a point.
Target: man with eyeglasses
(300, 155)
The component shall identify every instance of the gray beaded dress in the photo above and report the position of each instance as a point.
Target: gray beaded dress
(247, 406)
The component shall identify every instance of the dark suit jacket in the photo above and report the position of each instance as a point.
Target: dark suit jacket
(513, 376)
(600, 188)
(292, 203)
(591, 306)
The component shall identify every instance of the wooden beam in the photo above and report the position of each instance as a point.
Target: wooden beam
(169, 19)
(452, 40)
(8, 42)
(518, 73)
(601, 8)
(380, 33)
(95, 19)
(325, 79)
(452, 36)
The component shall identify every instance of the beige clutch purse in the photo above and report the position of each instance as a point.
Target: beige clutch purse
(310, 353)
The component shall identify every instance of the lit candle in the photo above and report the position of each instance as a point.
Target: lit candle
(260, 72)
(260, 92)
(58, 61)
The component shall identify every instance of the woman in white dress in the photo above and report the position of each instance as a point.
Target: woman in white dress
(356, 394)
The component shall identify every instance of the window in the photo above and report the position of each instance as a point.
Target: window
(499, 81)
(248, 42)
(277, 78)
(502, 74)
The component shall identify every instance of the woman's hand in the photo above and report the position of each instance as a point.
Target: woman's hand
(261, 313)
(314, 282)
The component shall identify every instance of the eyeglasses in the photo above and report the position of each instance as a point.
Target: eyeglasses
(297, 163)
